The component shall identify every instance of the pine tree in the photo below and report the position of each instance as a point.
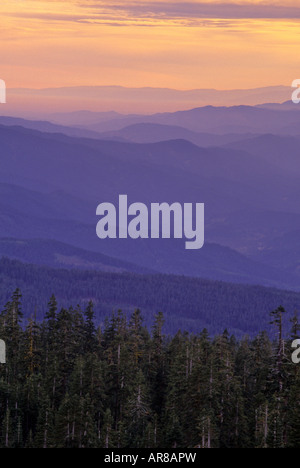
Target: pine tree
(108, 435)
(157, 371)
(138, 412)
(89, 331)
(277, 321)
(44, 437)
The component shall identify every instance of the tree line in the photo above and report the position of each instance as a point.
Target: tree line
(70, 384)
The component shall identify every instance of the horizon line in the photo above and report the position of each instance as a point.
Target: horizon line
(146, 88)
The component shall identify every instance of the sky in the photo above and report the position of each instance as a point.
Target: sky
(136, 43)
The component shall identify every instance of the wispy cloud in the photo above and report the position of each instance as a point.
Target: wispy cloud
(155, 13)
(170, 10)
(205, 43)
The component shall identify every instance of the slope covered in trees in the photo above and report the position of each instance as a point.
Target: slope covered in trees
(51, 185)
(188, 303)
(69, 384)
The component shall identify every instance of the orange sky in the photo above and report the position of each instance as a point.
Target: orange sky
(224, 45)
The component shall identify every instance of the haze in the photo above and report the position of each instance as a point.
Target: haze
(177, 45)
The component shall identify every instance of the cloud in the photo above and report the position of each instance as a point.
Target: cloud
(196, 10)
(155, 13)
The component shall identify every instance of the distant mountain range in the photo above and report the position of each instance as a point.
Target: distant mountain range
(214, 262)
(27, 102)
(47, 127)
(154, 133)
(137, 133)
(203, 126)
(216, 120)
(282, 151)
(51, 184)
(59, 255)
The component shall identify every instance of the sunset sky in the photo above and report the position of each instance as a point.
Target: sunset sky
(183, 45)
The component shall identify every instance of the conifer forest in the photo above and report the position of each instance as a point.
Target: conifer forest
(68, 383)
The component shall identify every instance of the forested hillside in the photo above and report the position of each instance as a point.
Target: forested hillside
(68, 384)
(51, 185)
(188, 303)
